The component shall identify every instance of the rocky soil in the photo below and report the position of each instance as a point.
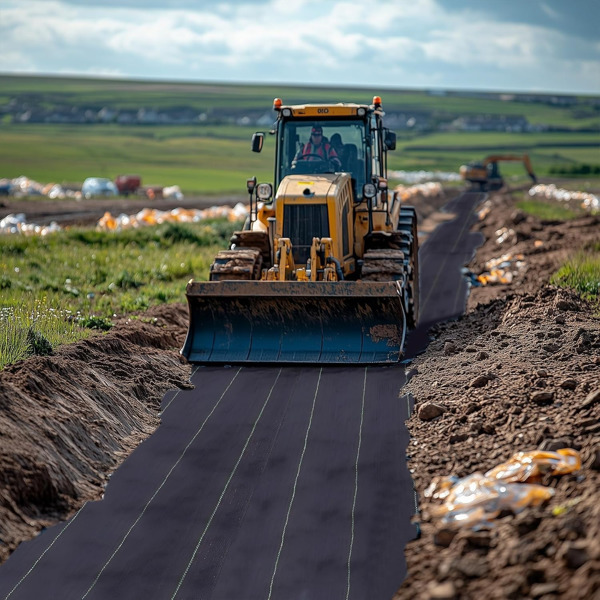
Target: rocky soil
(520, 371)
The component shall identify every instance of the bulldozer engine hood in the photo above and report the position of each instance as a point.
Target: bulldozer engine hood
(311, 187)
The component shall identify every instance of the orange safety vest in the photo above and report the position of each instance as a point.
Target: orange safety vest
(320, 149)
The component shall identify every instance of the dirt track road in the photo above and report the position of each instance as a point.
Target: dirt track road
(262, 482)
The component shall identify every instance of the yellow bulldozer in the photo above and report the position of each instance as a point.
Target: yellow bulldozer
(486, 176)
(325, 269)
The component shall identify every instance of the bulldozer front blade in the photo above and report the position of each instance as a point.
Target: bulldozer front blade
(294, 322)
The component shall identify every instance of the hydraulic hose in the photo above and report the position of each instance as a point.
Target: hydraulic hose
(338, 267)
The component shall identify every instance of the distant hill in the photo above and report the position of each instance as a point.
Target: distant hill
(33, 99)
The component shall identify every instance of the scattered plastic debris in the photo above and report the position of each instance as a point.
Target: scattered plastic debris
(17, 223)
(23, 186)
(485, 209)
(502, 269)
(472, 279)
(153, 216)
(431, 189)
(423, 176)
(505, 234)
(172, 192)
(586, 200)
(475, 500)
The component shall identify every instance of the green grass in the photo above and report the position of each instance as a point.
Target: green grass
(91, 276)
(582, 273)
(198, 164)
(547, 210)
(34, 326)
(447, 151)
(215, 158)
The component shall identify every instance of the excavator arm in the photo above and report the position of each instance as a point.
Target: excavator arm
(524, 158)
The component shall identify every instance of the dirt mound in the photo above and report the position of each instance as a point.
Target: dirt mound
(520, 371)
(541, 246)
(518, 374)
(69, 419)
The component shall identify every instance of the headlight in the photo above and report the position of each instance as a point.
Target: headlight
(264, 191)
(286, 112)
(369, 190)
(361, 112)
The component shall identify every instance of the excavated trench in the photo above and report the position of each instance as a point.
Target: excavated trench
(261, 482)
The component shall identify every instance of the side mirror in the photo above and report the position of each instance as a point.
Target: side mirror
(390, 140)
(257, 141)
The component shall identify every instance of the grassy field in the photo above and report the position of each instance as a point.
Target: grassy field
(198, 161)
(582, 273)
(55, 288)
(547, 210)
(445, 151)
(215, 158)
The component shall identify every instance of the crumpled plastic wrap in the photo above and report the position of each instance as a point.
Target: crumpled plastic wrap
(585, 200)
(17, 223)
(431, 189)
(502, 269)
(424, 176)
(153, 216)
(475, 500)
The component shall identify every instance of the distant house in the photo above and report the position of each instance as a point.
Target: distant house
(509, 123)
(413, 120)
(127, 117)
(265, 120)
(106, 115)
(555, 100)
(147, 116)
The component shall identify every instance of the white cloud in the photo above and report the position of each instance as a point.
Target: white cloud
(553, 14)
(16, 61)
(412, 43)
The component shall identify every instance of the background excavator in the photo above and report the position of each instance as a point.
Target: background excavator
(486, 175)
(325, 269)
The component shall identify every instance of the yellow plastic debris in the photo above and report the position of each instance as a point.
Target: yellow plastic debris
(480, 497)
(153, 216)
(502, 269)
(430, 189)
(532, 466)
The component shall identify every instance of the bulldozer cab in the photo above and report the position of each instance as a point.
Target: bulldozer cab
(361, 149)
(298, 154)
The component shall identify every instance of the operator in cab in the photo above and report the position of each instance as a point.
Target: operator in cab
(317, 148)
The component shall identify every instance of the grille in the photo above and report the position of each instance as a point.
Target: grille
(301, 223)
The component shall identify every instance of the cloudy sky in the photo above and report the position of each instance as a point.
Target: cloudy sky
(516, 45)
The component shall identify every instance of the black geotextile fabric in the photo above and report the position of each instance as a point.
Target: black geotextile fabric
(262, 482)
